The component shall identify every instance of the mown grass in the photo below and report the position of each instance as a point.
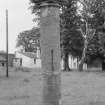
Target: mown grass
(24, 87)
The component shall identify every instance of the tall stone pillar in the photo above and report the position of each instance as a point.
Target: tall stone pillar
(50, 53)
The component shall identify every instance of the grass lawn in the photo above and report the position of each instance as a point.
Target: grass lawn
(83, 88)
(78, 88)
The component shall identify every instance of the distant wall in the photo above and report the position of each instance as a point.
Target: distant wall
(27, 61)
(73, 63)
(3, 59)
(95, 65)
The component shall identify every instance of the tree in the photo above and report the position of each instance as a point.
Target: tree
(71, 41)
(96, 48)
(86, 21)
(92, 16)
(86, 29)
(29, 40)
(97, 44)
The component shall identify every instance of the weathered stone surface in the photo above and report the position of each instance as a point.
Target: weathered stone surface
(50, 38)
(50, 55)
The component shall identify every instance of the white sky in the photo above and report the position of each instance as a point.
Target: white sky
(20, 19)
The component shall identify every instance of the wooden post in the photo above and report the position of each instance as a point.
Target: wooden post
(50, 53)
(6, 43)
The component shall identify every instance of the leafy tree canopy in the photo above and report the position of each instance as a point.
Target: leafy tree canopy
(71, 39)
(29, 40)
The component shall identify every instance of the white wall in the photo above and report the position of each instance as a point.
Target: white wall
(73, 63)
(27, 61)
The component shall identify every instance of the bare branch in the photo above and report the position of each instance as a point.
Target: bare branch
(94, 32)
(83, 34)
(92, 35)
(86, 27)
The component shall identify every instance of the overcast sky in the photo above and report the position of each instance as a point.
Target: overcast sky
(20, 19)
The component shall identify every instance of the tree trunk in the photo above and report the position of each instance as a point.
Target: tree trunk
(83, 56)
(66, 62)
(81, 65)
(103, 65)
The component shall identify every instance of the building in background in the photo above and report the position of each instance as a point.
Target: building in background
(27, 59)
(73, 63)
(3, 59)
